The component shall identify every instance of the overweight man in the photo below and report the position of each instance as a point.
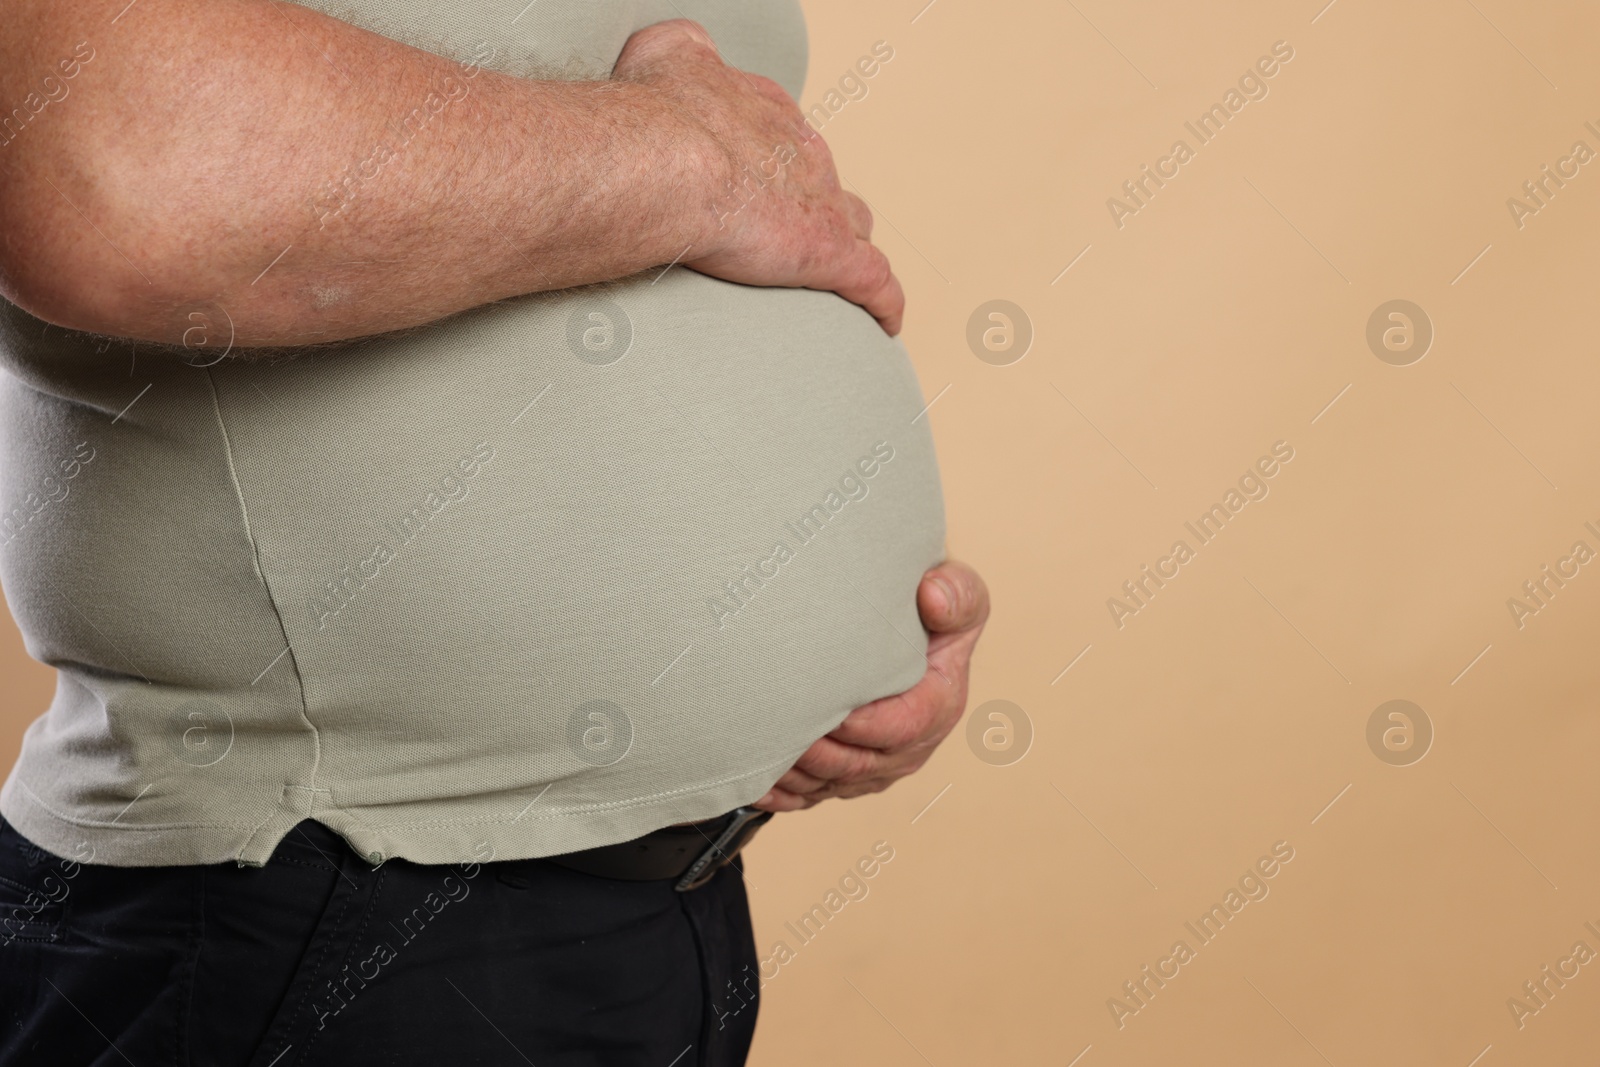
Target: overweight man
(461, 463)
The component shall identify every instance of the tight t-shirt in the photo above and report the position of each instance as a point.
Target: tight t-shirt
(546, 575)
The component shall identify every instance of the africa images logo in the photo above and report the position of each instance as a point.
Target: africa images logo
(737, 593)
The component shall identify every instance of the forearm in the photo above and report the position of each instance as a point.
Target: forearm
(319, 182)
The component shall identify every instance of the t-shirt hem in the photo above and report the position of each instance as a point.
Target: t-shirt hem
(468, 838)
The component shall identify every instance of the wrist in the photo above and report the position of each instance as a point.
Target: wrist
(701, 198)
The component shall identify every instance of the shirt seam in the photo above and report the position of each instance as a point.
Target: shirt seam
(266, 586)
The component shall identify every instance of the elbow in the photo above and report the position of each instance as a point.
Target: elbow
(52, 275)
(67, 290)
(82, 263)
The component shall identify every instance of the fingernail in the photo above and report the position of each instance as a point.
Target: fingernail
(765, 800)
(948, 592)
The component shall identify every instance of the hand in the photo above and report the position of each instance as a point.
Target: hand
(777, 216)
(893, 737)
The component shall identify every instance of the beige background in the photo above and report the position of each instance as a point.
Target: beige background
(1231, 712)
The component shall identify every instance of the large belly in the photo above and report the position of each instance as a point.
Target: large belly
(600, 547)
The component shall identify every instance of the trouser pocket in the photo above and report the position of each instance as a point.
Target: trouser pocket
(310, 992)
(95, 961)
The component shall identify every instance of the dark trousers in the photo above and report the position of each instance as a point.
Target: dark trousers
(318, 958)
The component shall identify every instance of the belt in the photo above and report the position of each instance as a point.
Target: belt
(692, 854)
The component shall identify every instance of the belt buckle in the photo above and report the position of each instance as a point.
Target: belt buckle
(726, 845)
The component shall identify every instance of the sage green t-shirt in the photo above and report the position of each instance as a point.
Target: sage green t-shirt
(546, 575)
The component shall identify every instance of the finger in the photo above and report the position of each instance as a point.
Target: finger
(660, 44)
(923, 714)
(829, 760)
(888, 306)
(952, 597)
(796, 780)
(771, 89)
(865, 278)
(896, 721)
(860, 215)
(782, 800)
(950, 654)
(864, 788)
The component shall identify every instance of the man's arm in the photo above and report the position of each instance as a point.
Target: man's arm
(320, 182)
(887, 740)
